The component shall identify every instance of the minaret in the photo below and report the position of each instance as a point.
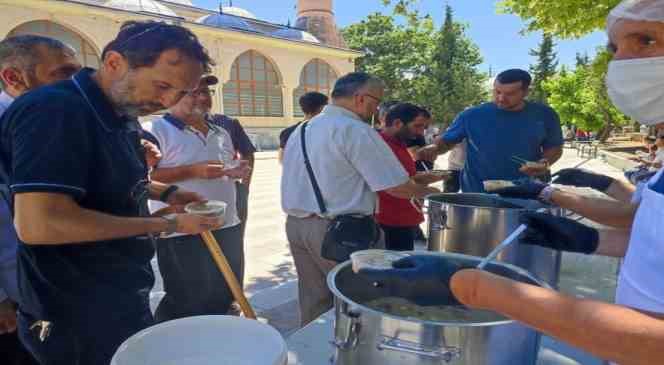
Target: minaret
(317, 18)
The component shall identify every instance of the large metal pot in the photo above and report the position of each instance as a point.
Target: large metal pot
(474, 224)
(364, 336)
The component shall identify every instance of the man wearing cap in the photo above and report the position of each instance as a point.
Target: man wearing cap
(71, 154)
(503, 135)
(198, 155)
(630, 332)
(244, 150)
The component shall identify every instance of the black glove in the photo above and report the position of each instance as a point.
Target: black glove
(583, 178)
(423, 279)
(558, 233)
(522, 189)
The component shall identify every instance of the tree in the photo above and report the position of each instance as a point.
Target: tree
(454, 81)
(561, 18)
(580, 98)
(397, 54)
(582, 59)
(581, 94)
(437, 69)
(544, 68)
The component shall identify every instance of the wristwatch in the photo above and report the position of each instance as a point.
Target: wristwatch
(170, 190)
(546, 194)
(172, 224)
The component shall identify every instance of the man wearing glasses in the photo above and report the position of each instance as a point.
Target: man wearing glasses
(350, 162)
(72, 157)
(198, 155)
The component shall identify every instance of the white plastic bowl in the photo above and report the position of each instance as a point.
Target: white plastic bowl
(204, 340)
(212, 208)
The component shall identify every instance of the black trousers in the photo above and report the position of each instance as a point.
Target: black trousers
(242, 203)
(193, 283)
(12, 352)
(399, 238)
(85, 342)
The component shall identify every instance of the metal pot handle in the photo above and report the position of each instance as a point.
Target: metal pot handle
(438, 217)
(352, 333)
(446, 354)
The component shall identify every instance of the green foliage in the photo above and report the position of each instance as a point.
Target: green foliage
(562, 18)
(437, 69)
(580, 98)
(544, 69)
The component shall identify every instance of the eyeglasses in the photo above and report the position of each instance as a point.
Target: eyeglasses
(373, 97)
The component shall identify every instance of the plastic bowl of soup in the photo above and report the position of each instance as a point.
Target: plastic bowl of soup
(210, 208)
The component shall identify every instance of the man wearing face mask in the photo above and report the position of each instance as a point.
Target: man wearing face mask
(72, 157)
(632, 330)
(350, 163)
(197, 155)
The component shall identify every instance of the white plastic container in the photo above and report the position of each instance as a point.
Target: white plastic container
(204, 340)
(211, 208)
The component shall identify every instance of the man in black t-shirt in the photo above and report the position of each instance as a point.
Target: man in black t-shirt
(312, 103)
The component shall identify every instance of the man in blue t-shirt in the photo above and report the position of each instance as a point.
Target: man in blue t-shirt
(498, 133)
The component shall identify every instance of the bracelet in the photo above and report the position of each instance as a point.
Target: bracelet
(170, 190)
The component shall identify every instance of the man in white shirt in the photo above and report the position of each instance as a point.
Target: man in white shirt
(198, 155)
(455, 162)
(26, 62)
(351, 162)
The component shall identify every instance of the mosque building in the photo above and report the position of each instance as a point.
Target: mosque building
(263, 67)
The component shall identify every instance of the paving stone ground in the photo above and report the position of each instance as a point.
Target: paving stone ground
(271, 279)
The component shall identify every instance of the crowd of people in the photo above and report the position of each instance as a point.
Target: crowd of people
(90, 195)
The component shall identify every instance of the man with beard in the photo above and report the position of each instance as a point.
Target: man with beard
(195, 152)
(501, 132)
(398, 217)
(26, 63)
(72, 157)
(350, 163)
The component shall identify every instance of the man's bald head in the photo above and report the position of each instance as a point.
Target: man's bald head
(30, 61)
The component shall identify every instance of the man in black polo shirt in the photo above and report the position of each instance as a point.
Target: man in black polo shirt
(72, 157)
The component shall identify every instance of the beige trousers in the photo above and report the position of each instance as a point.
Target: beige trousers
(305, 238)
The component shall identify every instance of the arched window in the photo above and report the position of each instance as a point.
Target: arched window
(86, 53)
(254, 88)
(316, 75)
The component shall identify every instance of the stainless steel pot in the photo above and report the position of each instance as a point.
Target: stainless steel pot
(474, 224)
(364, 336)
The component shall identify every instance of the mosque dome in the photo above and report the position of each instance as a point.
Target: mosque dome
(223, 20)
(295, 34)
(181, 2)
(149, 6)
(234, 10)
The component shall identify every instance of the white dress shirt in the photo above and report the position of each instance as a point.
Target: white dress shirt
(351, 162)
(182, 145)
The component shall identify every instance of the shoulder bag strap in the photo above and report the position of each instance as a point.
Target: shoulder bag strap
(314, 183)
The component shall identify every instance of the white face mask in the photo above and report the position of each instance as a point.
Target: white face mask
(636, 87)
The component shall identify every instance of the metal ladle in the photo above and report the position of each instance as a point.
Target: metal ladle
(506, 243)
